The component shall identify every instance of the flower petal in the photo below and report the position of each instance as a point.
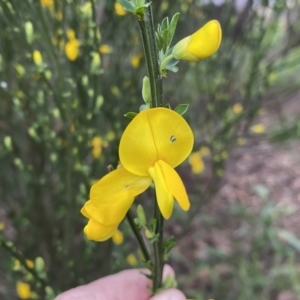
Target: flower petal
(112, 196)
(206, 40)
(108, 214)
(168, 184)
(98, 232)
(118, 184)
(155, 134)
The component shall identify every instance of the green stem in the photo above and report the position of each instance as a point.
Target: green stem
(158, 250)
(156, 86)
(138, 237)
(148, 36)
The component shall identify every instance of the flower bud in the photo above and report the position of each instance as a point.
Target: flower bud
(201, 44)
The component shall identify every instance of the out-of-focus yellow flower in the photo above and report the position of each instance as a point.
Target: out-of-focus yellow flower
(97, 143)
(153, 144)
(71, 34)
(2, 226)
(59, 15)
(204, 151)
(196, 162)
(47, 3)
(241, 141)
(23, 290)
(201, 44)
(119, 9)
(110, 136)
(29, 263)
(237, 108)
(258, 128)
(118, 237)
(105, 49)
(37, 57)
(136, 60)
(115, 91)
(20, 70)
(131, 260)
(72, 49)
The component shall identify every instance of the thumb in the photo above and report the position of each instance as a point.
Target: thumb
(170, 294)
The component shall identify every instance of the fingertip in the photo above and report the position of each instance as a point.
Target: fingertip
(168, 271)
(170, 294)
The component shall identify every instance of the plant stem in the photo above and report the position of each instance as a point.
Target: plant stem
(148, 36)
(156, 86)
(138, 237)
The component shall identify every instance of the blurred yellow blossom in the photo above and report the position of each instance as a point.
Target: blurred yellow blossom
(47, 3)
(20, 70)
(23, 290)
(119, 9)
(37, 57)
(241, 141)
(204, 151)
(29, 263)
(110, 136)
(131, 260)
(97, 144)
(136, 60)
(71, 34)
(196, 162)
(118, 237)
(201, 44)
(72, 49)
(237, 108)
(105, 49)
(258, 128)
(2, 226)
(115, 91)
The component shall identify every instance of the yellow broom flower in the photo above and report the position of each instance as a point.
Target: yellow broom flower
(201, 44)
(23, 290)
(154, 143)
(72, 49)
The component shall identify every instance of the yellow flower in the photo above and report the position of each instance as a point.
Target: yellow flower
(237, 108)
(131, 260)
(97, 143)
(196, 162)
(29, 263)
(258, 128)
(136, 60)
(154, 143)
(23, 290)
(2, 226)
(105, 49)
(118, 237)
(201, 44)
(72, 49)
(47, 3)
(119, 9)
(204, 151)
(71, 34)
(37, 57)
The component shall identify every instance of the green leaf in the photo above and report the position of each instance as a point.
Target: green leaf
(130, 115)
(167, 105)
(173, 69)
(141, 9)
(172, 28)
(181, 108)
(165, 24)
(290, 238)
(127, 5)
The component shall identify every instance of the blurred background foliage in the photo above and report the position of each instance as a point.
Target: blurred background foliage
(70, 70)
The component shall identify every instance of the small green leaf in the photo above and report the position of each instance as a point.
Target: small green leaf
(127, 5)
(165, 24)
(130, 115)
(172, 28)
(167, 105)
(173, 69)
(181, 109)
